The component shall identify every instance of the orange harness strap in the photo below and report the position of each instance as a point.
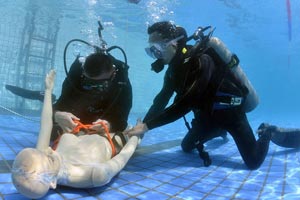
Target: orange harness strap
(89, 131)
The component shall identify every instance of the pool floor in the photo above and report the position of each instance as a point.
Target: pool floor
(160, 170)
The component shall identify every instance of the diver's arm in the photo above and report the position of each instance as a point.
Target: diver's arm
(161, 100)
(46, 116)
(170, 114)
(104, 172)
(186, 103)
(183, 104)
(121, 109)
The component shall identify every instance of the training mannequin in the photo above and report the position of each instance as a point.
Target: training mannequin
(80, 161)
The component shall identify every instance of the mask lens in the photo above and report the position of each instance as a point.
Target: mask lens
(155, 51)
(98, 85)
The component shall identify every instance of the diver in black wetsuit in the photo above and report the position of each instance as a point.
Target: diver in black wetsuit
(214, 87)
(98, 89)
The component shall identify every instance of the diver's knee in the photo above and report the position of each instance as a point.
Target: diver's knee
(188, 142)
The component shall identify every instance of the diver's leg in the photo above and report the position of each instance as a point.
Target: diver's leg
(189, 141)
(202, 130)
(253, 152)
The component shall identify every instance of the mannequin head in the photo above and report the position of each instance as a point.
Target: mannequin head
(34, 172)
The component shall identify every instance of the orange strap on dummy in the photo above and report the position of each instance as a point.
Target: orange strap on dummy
(87, 129)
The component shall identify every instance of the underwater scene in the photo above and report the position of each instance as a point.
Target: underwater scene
(207, 91)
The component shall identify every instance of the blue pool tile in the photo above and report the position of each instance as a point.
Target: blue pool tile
(211, 181)
(131, 167)
(15, 197)
(162, 177)
(231, 183)
(97, 190)
(52, 195)
(176, 172)
(291, 187)
(190, 195)
(152, 195)
(224, 191)
(87, 198)
(203, 187)
(249, 194)
(130, 177)
(149, 183)
(291, 196)
(182, 182)
(133, 189)
(71, 193)
(145, 172)
(215, 197)
(169, 189)
(117, 182)
(7, 188)
(112, 194)
(252, 186)
(5, 177)
(9, 155)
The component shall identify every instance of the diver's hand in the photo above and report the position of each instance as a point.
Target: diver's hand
(49, 80)
(65, 120)
(98, 126)
(139, 129)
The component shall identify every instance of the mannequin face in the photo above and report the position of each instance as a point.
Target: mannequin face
(34, 172)
(161, 48)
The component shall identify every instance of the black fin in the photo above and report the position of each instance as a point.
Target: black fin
(284, 137)
(28, 94)
(289, 138)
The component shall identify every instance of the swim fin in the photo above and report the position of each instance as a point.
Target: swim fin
(289, 138)
(284, 137)
(28, 94)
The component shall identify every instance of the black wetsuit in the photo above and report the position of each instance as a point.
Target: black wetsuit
(196, 82)
(112, 105)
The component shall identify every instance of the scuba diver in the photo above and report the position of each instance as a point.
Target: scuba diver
(85, 159)
(207, 80)
(95, 87)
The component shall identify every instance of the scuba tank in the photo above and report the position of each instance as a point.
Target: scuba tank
(222, 56)
(231, 61)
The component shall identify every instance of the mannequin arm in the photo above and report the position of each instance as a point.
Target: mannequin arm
(103, 173)
(46, 116)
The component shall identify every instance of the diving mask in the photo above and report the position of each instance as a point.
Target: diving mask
(100, 85)
(157, 49)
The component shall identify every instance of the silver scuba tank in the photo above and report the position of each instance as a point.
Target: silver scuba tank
(252, 99)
